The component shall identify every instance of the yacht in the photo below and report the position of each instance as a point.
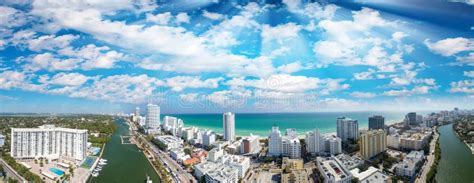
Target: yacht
(148, 180)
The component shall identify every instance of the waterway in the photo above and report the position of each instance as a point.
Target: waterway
(126, 163)
(457, 162)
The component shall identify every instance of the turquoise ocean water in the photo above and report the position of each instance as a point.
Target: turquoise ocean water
(261, 123)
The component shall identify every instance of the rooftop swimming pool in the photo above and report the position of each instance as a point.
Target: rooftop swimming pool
(56, 171)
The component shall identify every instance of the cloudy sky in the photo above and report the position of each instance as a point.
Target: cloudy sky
(207, 56)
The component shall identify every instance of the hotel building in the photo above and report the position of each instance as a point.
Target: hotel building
(372, 143)
(48, 141)
(288, 145)
(347, 128)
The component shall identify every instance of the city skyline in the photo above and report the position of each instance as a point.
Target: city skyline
(207, 57)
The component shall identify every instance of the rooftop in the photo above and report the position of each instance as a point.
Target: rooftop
(332, 168)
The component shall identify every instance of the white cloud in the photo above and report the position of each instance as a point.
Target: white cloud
(11, 79)
(11, 17)
(65, 79)
(333, 50)
(358, 94)
(280, 82)
(290, 68)
(398, 36)
(50, 42)
(312, 10)
(189, 97)
(464, 86)
(290, 84)
(280, 32)
(468, 60)
(406, 92)
(120, 88)
(48, 61)
(469, 74)
(180, 83)
(229, 98)
(450, 46)
(94, 57)
(212, 16)
(183, 18)
(162, 18)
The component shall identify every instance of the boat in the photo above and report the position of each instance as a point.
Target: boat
(95, 174)
(148, 180)
(102, 163)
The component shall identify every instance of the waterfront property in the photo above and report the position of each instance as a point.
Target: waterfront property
(50, 142)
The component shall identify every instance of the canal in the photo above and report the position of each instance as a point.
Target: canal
(457, 162)
(125, 162)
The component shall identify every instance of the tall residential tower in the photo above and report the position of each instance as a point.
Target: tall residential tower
(347, 128)
(376, 122)
(229, 126)
(152, 117)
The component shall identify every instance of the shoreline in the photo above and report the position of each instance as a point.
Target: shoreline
(299, 134)
(143, 150)
(463, 141)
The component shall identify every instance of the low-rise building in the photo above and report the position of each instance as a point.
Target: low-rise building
(371, 175)
(178, 154)
(414, 141)
(296, 176)
(409, 165)
(250, 145)
(241, 163)
(350, 161)
(208, 138)
(235, 147)
(188, 133)
(393, 141)
(333, 170)
(2, 140)
(217, 159)
(332, 145)
(225, 174)
(289, 165)
(171, 142)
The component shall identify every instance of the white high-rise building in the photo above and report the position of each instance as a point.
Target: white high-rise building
(229, 126)
(152, 117)
(347, 128)
(313, 142)
(288, 145)
(275, 142)
(208, 138)
(333, 145)
(48, 141)
(291, 147)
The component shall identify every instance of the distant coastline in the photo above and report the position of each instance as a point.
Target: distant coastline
(261, 123)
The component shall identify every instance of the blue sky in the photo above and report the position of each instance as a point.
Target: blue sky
(208, 56)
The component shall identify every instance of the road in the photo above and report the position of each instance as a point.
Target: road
(430, 159)
(176, 169)
(178, 174)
